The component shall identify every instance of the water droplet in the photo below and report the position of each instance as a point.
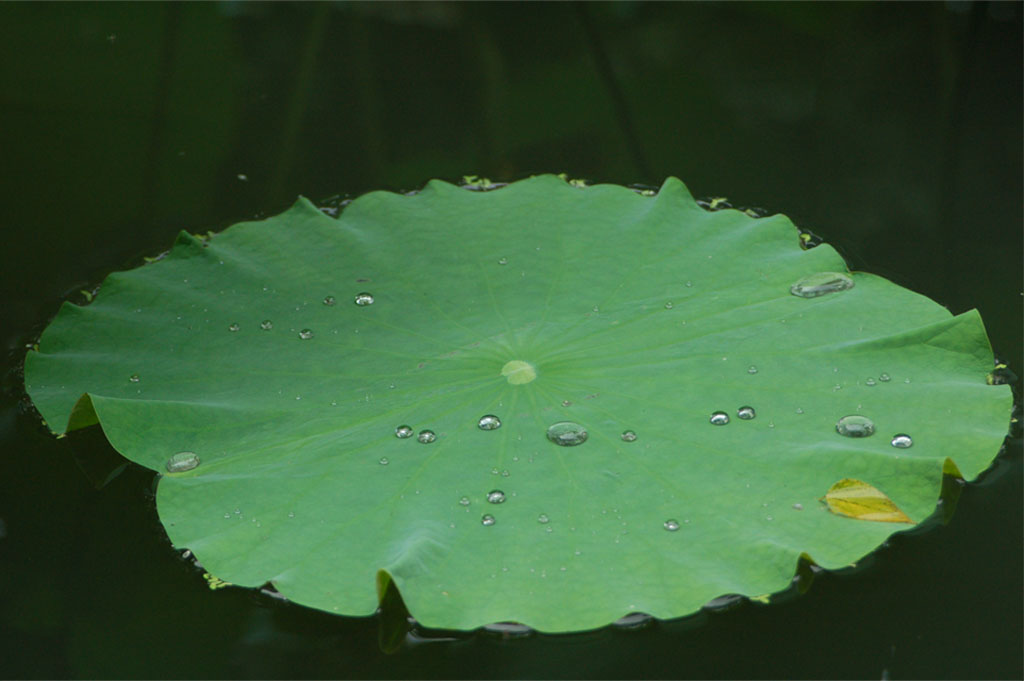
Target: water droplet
(134, 378)
(689, 284)
(502, 261)
(543, 519)
(403, 431)
(633, 621)
(902, 441)
(567, 434)
(266, 325)
(906, 380)
(719, 418)
(771, 424)
(855, 426)
(869, 382)
(305, 334)
(752, 369)
(798, 507)
(488, 422)
(487, 520)
(821, 283)
(885, 378)
(799, 410)
(505, 473)
(383, 461)
(668, 305)
(227, 515)
(181, 462)
(671, 524)
(496, 496)
(566, 403)
(426, 436)
(464, 501)
(364, 299)
(628, 436)
(234, 326)
(329, 300)
(746, 413)
(291, 514)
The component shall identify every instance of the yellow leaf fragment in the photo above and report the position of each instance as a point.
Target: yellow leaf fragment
(857, 499)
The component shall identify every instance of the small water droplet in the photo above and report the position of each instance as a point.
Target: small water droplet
(403, 431)
(902, 441)
(329, 300)
(855, 426)
(906, 380)
(768, 517)
(668, 305)
(464, 501)
(426, 436)
(305, 334)
(596, 309)
(266, 325)
(134, 378)
(383, 461)
(234, 326)
(567, 434)
(752, 369)
(505, 473)
(291, 514)
(502, 261)
(182, 461)
(821, 283)
(746, 413)
(869, 382)
(227, 515)
(689, 284)
(719, 418)
(885, 378)
(671, 524)
(364, 299)
(799, 410)
(487, 520)
(543, 519)
(628, 436)
(488, 422)
(496, 496)
(798, 507)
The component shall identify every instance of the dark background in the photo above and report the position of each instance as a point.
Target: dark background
(892, 130)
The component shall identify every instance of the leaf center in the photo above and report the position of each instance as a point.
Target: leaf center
(518, 372)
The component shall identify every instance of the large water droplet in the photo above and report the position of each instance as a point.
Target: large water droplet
(487, 520)
(488, 422)
(403, 431)
(305, 334)
(671, 524)
(628, 436)
(134, 378)
(719, 418)
(329, 300)
(234, 326)
(855, 426)
(567, 434)
(364, 299)
(902, 441)
(746, 413)
(426, 436)
(821, 283)
(182, 461)
(266, 325)
(496, 496)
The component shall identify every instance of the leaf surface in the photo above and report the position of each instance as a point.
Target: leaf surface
(537, 303)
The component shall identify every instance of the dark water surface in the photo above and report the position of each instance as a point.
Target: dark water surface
(892, 130)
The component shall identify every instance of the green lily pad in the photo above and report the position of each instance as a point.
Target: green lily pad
(312, 391)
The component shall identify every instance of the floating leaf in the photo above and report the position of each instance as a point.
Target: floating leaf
(857, 499)
(545, 306)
